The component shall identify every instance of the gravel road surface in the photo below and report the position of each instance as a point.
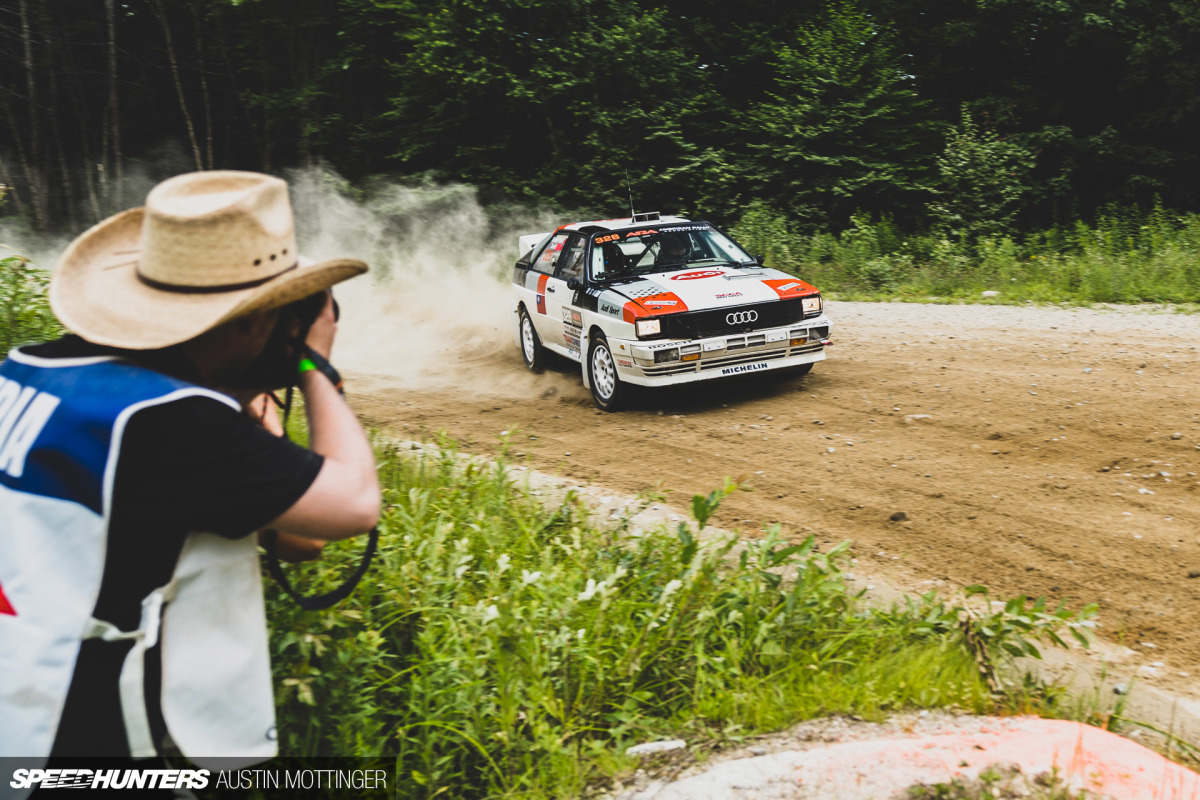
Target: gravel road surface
(1040, 451)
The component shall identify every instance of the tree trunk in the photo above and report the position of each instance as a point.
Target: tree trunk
(208, 134)
(114, 118)
(12, 189)
(187, 115)
(34, 174)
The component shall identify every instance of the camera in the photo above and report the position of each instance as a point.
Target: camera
(276, 367)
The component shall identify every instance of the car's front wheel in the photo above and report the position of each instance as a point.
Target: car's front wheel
(608, 392)
(532, 352)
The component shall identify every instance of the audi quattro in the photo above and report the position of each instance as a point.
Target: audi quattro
(653, 300)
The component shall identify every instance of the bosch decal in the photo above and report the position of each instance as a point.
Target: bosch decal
(697, 275)
(741, 317)
(745, 368)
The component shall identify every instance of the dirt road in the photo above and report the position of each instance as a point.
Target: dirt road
(1058, 456)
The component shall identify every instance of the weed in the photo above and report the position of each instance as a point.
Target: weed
(24, 311)
(503, 649)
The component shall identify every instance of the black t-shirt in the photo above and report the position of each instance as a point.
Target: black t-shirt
(189, 466)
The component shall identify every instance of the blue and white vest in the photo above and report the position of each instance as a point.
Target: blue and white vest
(61, 426)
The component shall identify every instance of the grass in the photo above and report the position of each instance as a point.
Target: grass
(1125, 256)
(24, 311)
(500, 649)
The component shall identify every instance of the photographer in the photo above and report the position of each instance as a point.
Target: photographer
(131, 480)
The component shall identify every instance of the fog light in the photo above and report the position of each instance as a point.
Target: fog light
(690, 357)
(799, 341)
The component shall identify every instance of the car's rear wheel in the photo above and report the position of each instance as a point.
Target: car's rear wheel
(532, 352)
(608, 392)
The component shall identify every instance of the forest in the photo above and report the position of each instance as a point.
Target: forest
(976, 117)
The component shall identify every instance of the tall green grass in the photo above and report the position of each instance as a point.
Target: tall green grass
(503, 649)
(1125, 256)
(25, 314)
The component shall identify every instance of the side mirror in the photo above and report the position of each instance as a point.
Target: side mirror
(759, 260)
(574, 283)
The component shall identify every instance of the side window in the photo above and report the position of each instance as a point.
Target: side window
(598, 262)
(548, 260)
(570, 263)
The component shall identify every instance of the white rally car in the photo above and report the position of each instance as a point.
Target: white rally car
(654, 301)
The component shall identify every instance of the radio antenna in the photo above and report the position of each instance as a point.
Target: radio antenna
(630, 190)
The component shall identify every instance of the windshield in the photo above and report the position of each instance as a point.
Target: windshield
(666, 249)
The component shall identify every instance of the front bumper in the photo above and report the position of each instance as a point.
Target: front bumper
(721, 356)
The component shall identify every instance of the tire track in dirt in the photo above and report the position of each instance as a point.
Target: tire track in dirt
(1048, 464)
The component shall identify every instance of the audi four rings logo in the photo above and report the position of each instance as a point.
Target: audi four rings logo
(741, 317)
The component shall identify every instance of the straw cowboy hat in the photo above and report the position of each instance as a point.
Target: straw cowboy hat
(207, 247)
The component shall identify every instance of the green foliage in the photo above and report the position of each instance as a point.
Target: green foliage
(503, 649)
(842, 128)
(1000, 782)
(1126, 256)
(25, 314)
(983, 180)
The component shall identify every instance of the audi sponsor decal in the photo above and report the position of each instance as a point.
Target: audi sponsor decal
(740, 368)
(741, 317)
(698, 274)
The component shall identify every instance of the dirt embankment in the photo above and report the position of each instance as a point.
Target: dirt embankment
(1058, 456)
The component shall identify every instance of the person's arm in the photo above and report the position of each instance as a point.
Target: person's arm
(344, 500)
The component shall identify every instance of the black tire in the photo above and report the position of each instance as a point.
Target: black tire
(532, 352)
(608, 392)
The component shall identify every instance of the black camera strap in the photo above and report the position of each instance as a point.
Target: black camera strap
(316, 602)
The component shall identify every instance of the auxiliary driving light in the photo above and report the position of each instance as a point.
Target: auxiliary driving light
(671, 354)
(647, 327)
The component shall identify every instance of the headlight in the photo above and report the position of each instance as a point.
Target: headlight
(812, 305)
(647, 327)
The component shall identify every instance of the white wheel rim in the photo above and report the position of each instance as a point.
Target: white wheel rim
(527, 339)
(604, 372)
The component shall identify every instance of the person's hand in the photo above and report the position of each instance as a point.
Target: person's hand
(261, 409)
(293, 549)
(324, 329)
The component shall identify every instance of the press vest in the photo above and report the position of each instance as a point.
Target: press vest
(61, 426)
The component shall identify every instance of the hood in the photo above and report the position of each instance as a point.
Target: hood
(703, 288)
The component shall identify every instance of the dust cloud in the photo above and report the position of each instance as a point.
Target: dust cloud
(435, 311)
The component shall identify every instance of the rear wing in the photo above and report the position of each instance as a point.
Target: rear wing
(529, 241)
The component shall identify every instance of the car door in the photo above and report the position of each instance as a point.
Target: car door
(537, 283)
(561, 311)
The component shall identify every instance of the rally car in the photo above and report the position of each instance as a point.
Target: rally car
(656, 300)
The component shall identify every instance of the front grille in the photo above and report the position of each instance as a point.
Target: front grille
(713, 322)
